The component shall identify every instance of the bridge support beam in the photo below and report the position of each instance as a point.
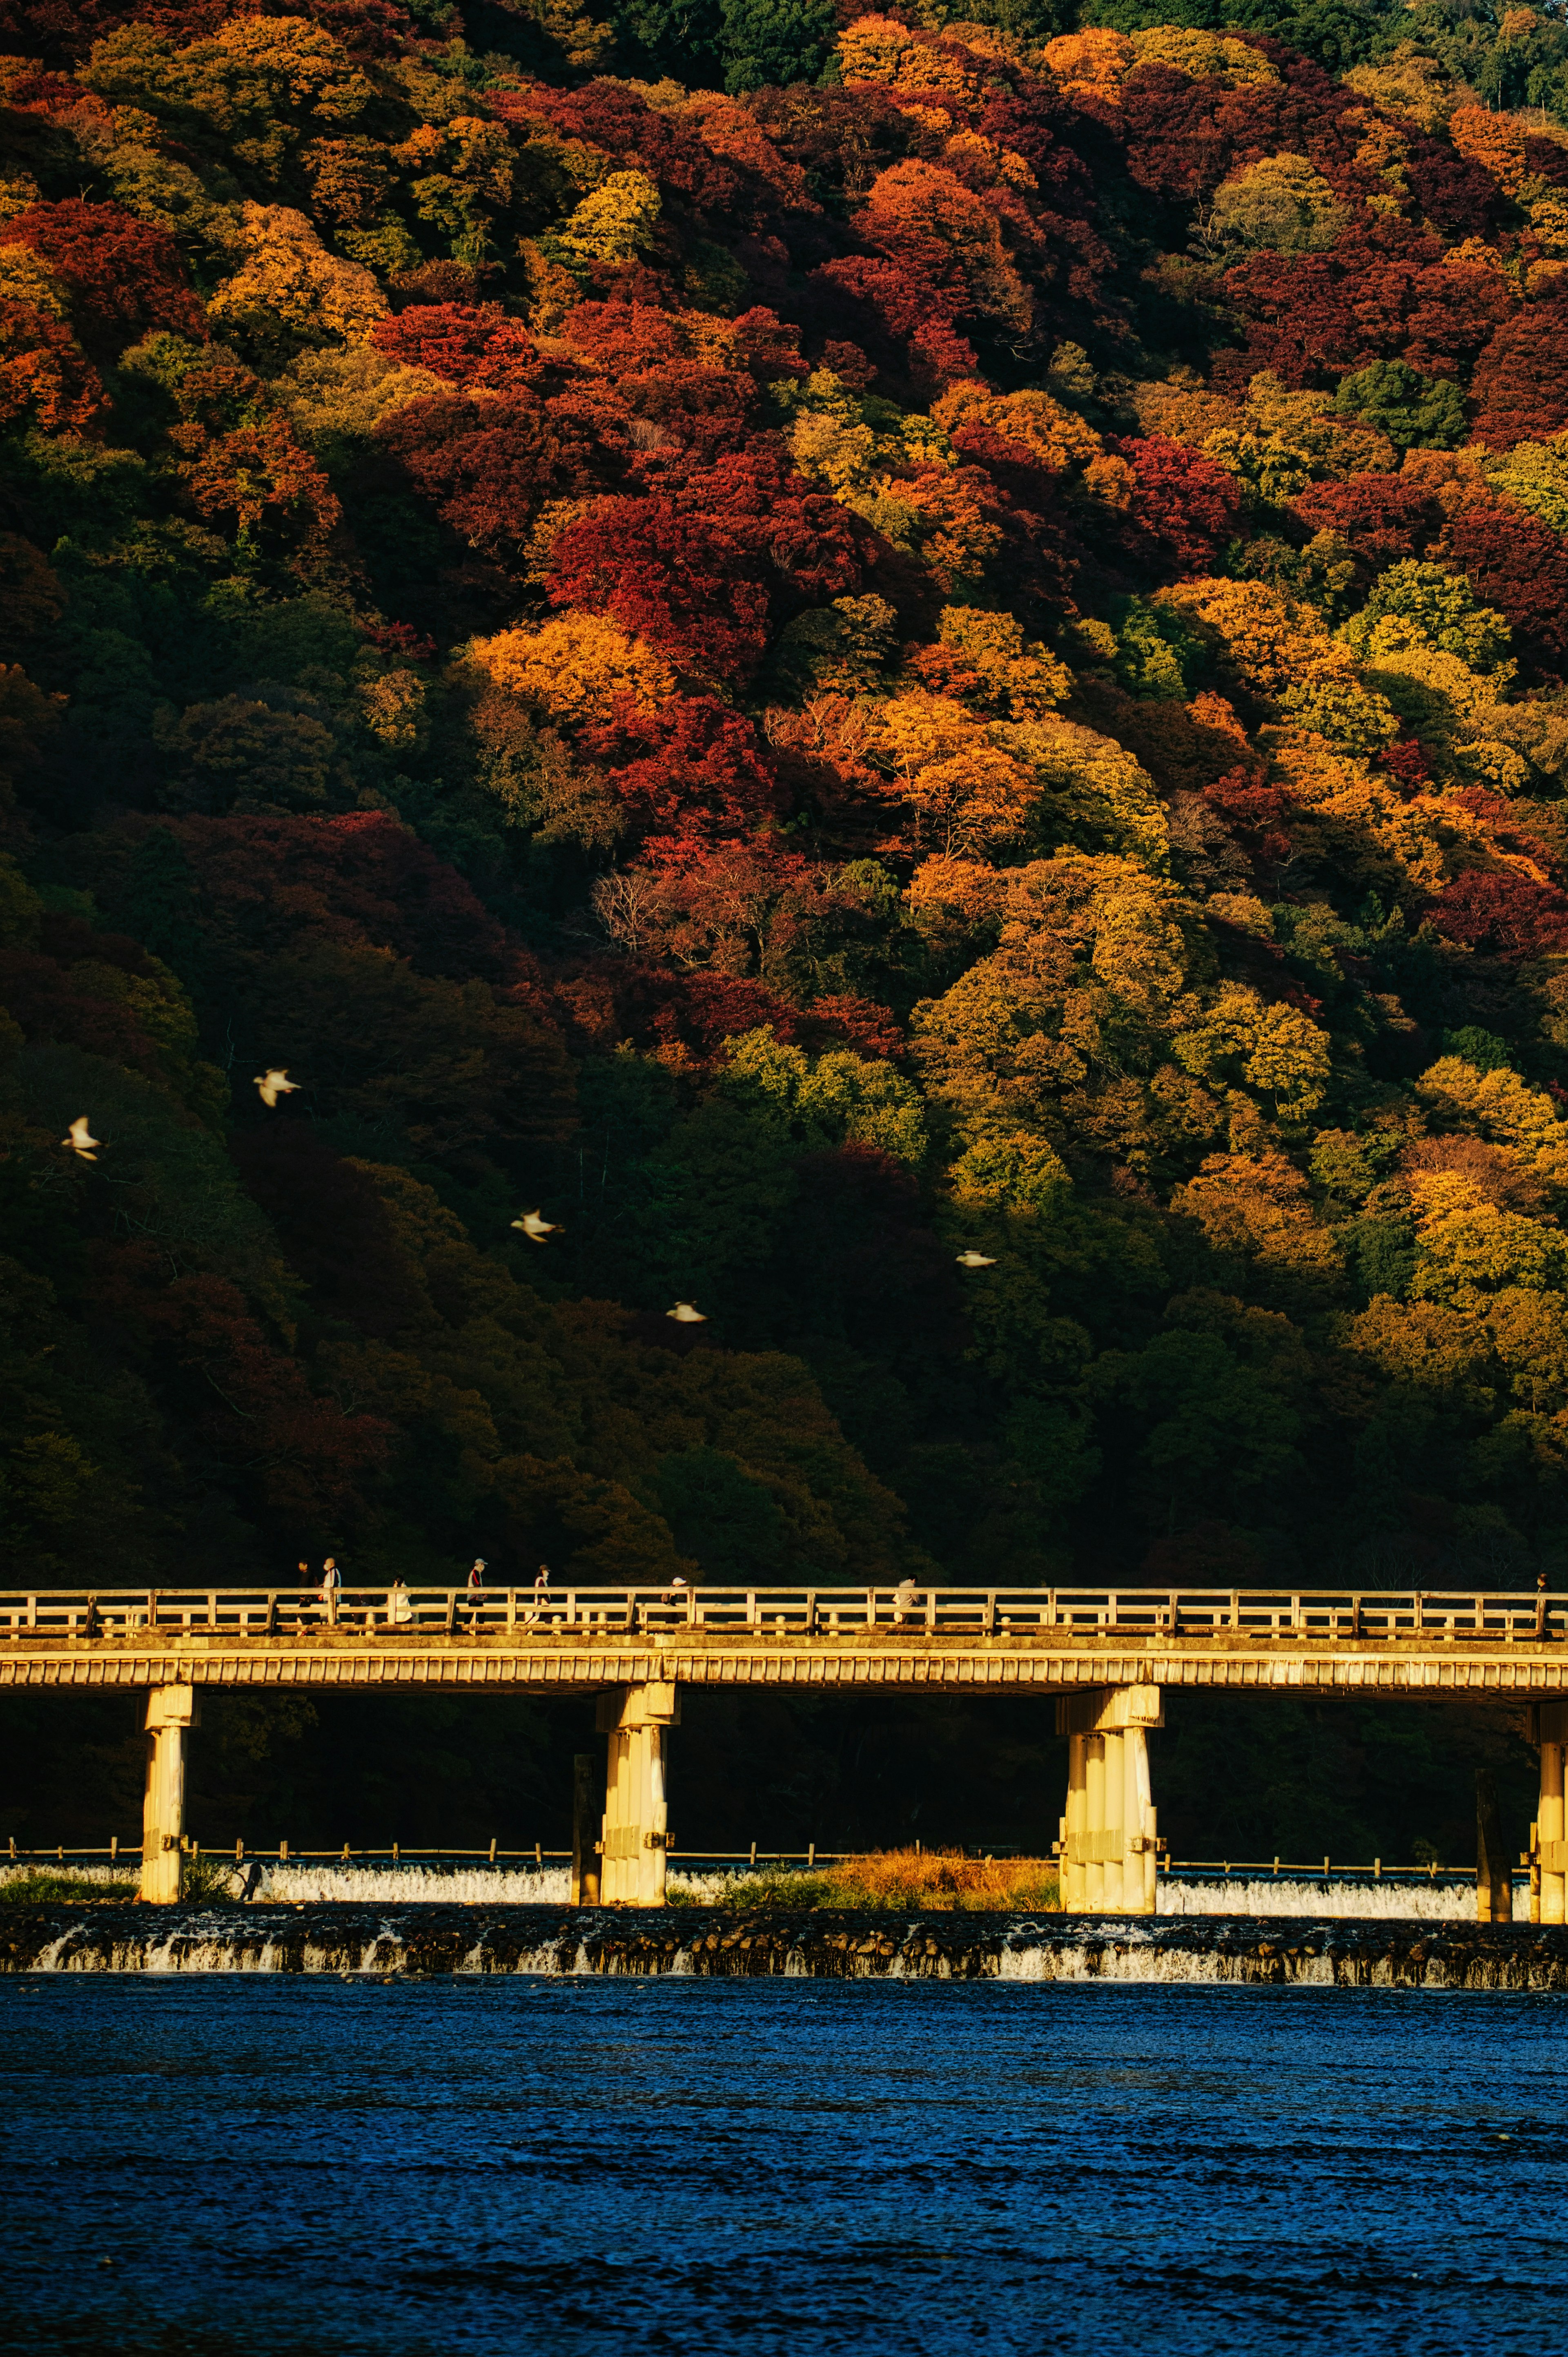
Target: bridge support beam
(172, 1712)
(1550, 1857)
(1109, 1845)
(636, 1720)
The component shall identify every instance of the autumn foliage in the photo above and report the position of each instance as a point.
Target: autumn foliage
(874, 640)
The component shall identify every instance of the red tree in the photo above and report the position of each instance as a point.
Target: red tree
(1519, 566)
(1181, 499)
(486, 465)
(674, 578)
(693, 770)
(1504, 912)
(124, 275)
(466, 344)
(44, 369)
(1521, 385)
(695, 569)
(1382, 517)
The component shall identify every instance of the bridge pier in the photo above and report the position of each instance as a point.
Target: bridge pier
(172, 1712)
(636, 1720)
(1551, 1858)
(1107, 1849)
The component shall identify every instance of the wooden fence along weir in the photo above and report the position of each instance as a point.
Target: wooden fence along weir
(1108, 1654)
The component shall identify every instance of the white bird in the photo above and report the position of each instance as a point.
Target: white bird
(971, 1259)
(81, 1139)
(274, 1083)
(536, 1227)
(686, 1313)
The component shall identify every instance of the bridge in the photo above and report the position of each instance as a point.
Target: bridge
(1107, 1654)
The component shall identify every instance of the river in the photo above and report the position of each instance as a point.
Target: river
(476, 2167)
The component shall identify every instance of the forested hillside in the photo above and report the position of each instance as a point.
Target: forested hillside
(810, 641)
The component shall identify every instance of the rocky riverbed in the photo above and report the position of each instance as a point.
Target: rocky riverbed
(712, 1942)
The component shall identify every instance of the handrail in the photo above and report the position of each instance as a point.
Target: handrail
(1273, 1614)
(536, 1854)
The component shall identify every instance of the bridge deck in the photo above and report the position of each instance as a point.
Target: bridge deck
(1436, 1643)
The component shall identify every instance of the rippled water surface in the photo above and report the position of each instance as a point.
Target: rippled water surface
(454, 2167)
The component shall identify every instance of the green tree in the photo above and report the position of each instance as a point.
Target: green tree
(776, 41)
(1415, 411)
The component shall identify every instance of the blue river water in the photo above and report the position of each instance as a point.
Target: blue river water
(307, 2168)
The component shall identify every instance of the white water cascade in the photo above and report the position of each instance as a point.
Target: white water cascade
(1264, 1895)
(1270, 1895)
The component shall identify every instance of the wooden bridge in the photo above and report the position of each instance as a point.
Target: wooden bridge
(1106, 1654)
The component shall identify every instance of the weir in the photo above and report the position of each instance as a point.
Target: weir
(1108, 1654)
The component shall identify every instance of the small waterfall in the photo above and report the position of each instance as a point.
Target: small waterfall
(1272, 1895)
(334, 1884)
(413, 1886)
(403, 1886)
(377, 1941)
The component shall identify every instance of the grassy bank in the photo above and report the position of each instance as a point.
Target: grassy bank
(60, 1886)
(891, 1879)
(63, 1886)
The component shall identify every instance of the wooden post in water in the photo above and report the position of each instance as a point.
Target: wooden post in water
(587, 1810)
(172, 1712)
(1493, 1866)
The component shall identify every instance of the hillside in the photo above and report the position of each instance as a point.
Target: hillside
(956, 641)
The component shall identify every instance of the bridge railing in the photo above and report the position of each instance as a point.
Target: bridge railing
(1267, 1615)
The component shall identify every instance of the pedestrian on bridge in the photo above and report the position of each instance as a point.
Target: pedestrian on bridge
(476, 1590)
(541, 1593)
(905, 1597)
(331, 1586)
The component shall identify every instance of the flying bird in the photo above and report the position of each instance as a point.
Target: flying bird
(971, 1259)
(81, 1139)
(536, 1227)
(686, 1313)
(274, 1083)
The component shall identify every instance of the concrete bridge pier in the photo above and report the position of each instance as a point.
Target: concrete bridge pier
(636, 1720)
(1109, 1845)
(1550, 1858)
(172, 1712)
